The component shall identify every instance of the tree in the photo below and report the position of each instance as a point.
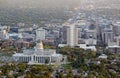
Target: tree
(90, 75)
(70, 74)
(101, 76)
(47, 74)
(92, 54)
(10, 76)
(28, 76)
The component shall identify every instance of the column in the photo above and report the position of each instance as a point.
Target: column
(50, 59)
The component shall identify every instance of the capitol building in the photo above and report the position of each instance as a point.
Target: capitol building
(38, 55)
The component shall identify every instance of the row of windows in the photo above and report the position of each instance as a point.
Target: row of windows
(41, 59)
(35, 58)
(24, 59)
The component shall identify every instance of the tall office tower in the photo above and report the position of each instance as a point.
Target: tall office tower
(91, 30)
(117, 38)
(64, 34)
(2, 33)
(72, 35)
(116, 28)
(107, 35)
(40, 34)
(90, 33)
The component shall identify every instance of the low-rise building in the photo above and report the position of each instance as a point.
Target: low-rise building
(38, 55)
(21, 44)
(114, 49)
(103, 56)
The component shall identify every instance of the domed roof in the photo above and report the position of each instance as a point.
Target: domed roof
(39, 45)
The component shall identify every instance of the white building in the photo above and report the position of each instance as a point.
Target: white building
(13, 35)
(107, 35)
(38, 55)
(118, 40)
(113, 49)
(40, 34)
(85, 47)
(72, 39)
(90, 41)
(103, 56)
(2, 32)
(72, 35)
(116, 27)
(92, 33)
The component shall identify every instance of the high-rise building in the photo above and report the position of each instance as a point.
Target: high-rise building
(116, 28)
(64, 34)
(40, 34)
(72, 35)
(92, 33)
(107, 35)
(3, 33)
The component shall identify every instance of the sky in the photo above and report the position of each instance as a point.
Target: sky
(36, 3)
(56, 3)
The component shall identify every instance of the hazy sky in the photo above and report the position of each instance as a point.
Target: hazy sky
(54, 3)
(36, 3)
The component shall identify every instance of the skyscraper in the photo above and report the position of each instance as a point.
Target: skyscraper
(3, 32)
(107, 35)
(72, 35)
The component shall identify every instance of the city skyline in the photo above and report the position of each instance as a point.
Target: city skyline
(59, 39)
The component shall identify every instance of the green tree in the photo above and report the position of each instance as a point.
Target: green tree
(10, 76)
(28, 76)
(70, 74)
(101, 76)
(47, 74)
